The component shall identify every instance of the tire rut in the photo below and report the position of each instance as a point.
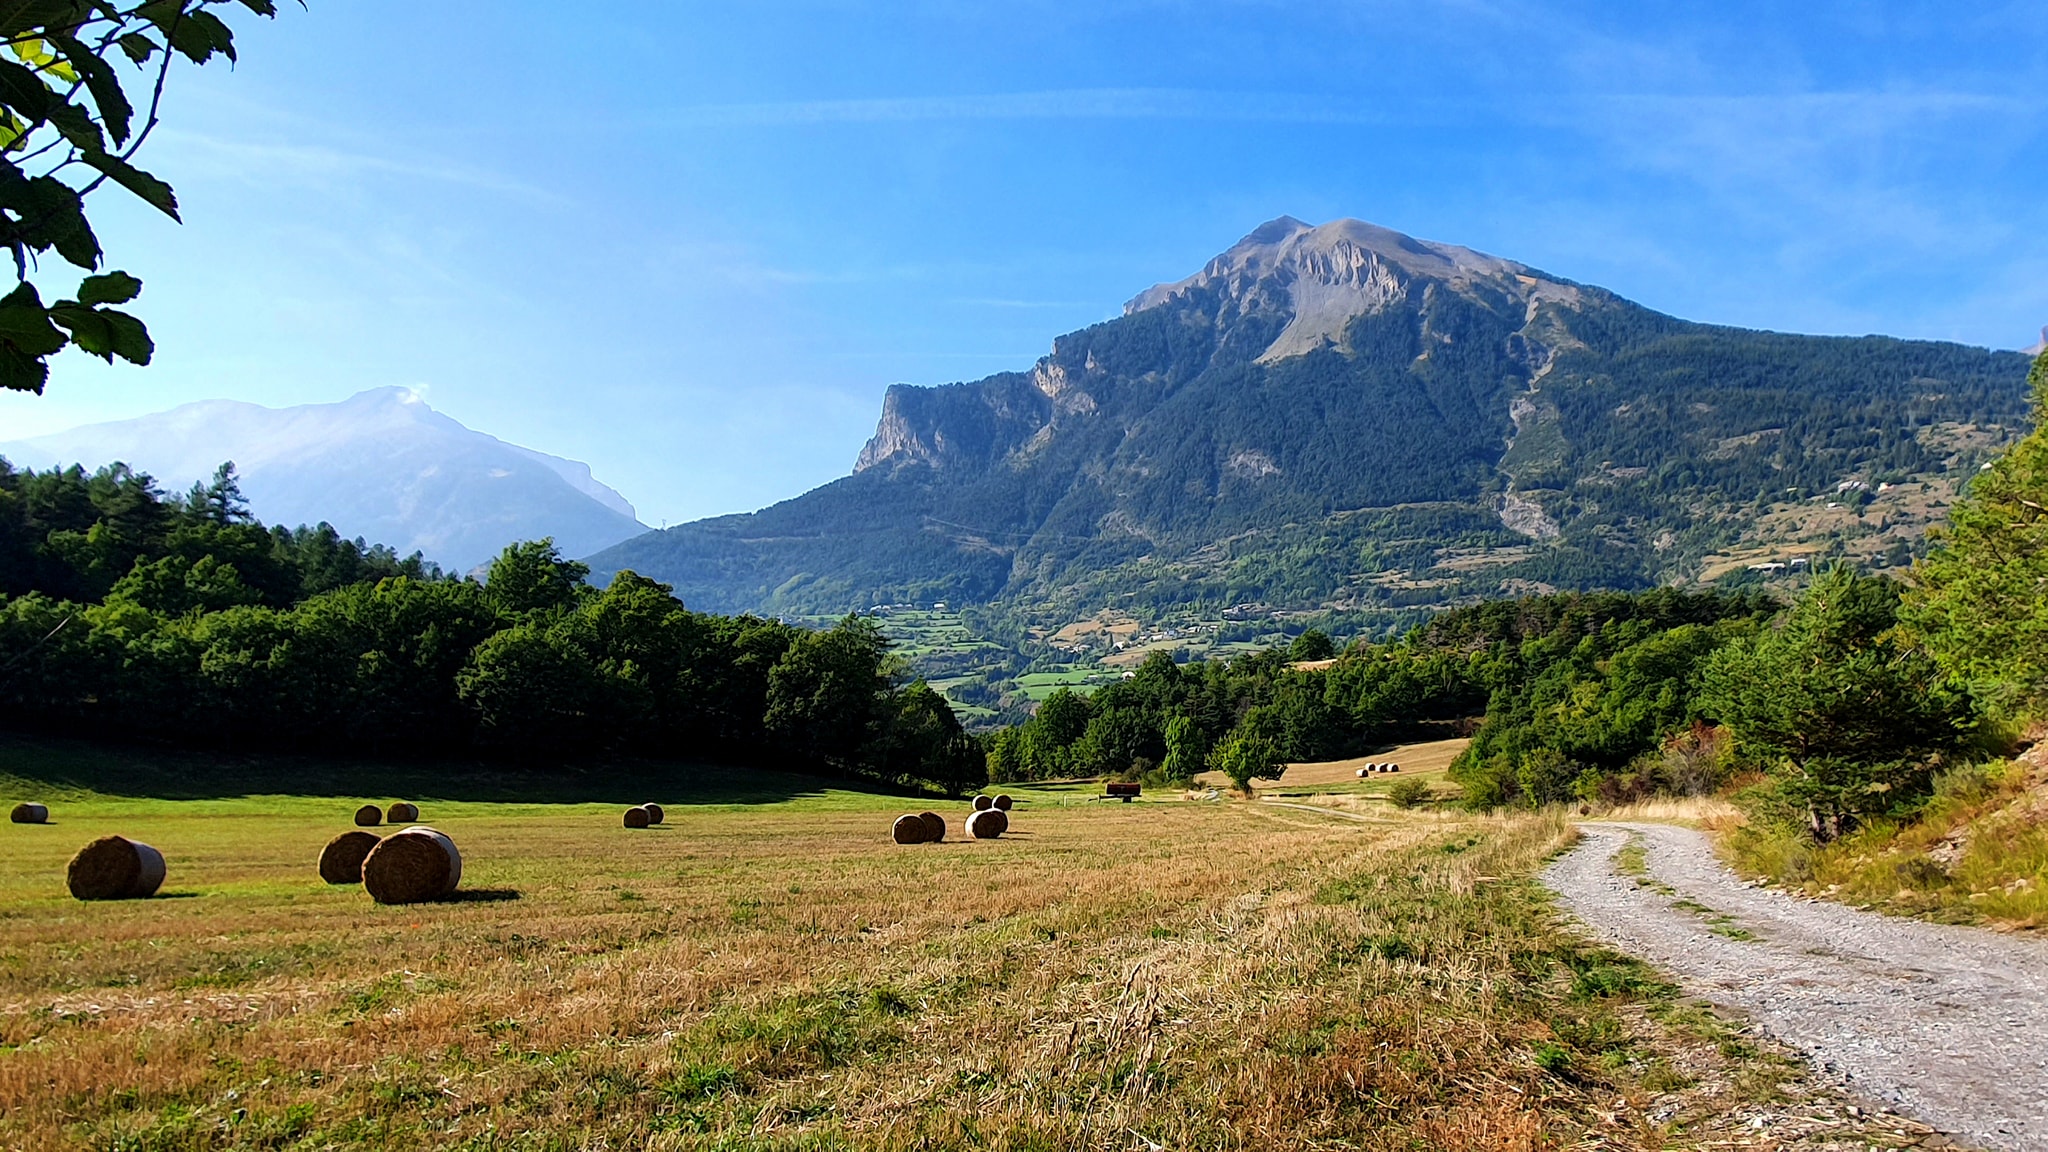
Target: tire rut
(1946, 1024)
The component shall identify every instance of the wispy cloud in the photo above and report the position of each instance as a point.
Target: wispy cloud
(329, 167)
(1057, 104)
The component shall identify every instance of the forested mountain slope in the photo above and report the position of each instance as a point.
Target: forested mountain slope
(1343, 416)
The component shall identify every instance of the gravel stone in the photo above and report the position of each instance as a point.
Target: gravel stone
(1945, 1023)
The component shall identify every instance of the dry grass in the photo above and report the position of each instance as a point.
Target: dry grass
(1977, 855)
(1714, 813)
(1430, 758)
(780, 976)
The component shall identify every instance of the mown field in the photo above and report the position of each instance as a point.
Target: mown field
(769, 972)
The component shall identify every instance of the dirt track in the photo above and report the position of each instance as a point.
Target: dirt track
(1947, 1024)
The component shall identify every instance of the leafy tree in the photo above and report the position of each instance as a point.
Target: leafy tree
(1187, 749)
(175, 585)
(532, 691)
(826, 695)
(1978, 599)
(1845, 714)
(1313, 644)
(1246, 756)
(220, 499)
(922, 742)
(1115, 739)
(68, 128)
(533, 577)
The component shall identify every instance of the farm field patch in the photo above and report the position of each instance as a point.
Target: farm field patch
(772, 972)
(1428, 760)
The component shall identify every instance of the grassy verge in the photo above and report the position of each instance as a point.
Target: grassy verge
(778, 976)
(1977, 855)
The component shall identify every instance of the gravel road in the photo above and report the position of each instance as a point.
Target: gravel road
(1947, 1024)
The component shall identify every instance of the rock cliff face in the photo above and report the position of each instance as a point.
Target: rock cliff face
(959, 425)
(1344, 416)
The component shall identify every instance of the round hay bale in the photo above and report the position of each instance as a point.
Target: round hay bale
(1003, 801)
(1002, 820)
(909, 830)
(1393, 767)
(984, 803)
(412, 866)
(637, 818)
(654, 813)
(401, 813)
(369, 816)
(987, 824)
(934, 827)
(1361, 773)
(115, 868)
(30, 814)
(341, 862)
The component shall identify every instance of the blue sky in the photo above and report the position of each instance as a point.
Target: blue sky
(692, 243)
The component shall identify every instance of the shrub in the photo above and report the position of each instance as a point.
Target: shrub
(1409, 793)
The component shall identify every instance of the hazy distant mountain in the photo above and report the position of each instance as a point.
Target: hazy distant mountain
(381, 465)
(2041, 347)
(1345, 417)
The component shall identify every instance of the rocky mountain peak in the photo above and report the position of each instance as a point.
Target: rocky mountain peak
(1326, 275)
(2037, 349)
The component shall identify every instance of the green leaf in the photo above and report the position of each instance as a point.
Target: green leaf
(112, 288)
(138, 47)
(105, 87)
(21, 372)
(19, 16)
(195, 33)
(25, 323)
(12, 129)
(25, 92)
(260, 7)
(131, 338)
(49, 215)
(89, 330)
(77, 125)
(134, 179)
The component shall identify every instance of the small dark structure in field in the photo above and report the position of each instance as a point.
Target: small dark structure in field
(115, 868)
(1003, 801)
(30, 814)
(401, 813)
(988, 824)
(369, 816)
(638, 818)
(654, 813)
(909, 830)
(412, 866)
(1117, 790)
(984, 803)
(934, 827)
(341, 862)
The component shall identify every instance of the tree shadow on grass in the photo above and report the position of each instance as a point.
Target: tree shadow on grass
(62, 764)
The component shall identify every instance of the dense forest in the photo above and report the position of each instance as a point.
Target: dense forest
(181, 620)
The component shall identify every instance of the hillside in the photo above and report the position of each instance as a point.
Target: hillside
(1345, 417)
(380, 465)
